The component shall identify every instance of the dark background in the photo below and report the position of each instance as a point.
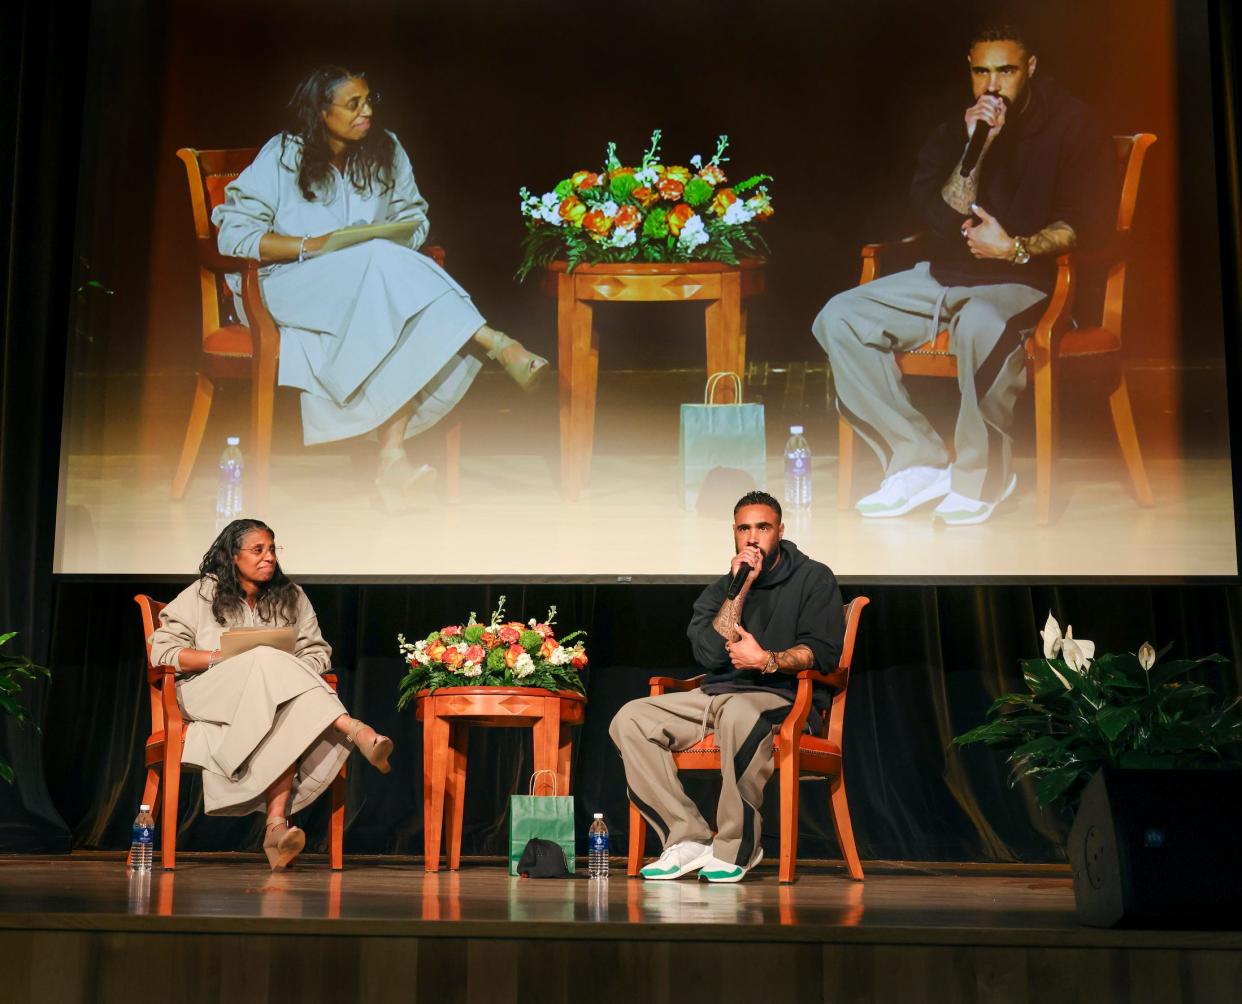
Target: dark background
(799, 88)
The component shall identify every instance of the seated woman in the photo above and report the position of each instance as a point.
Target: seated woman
(265, 729)
(373, 334)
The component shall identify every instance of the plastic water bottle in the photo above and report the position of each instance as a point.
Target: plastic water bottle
(797, 470)
(597, 847)
(229, 484)
(143, 842)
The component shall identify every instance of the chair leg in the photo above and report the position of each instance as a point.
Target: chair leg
(263, 403)
(845, 464)
(1127, 437)
(638, 842)
(336, 823)
(168, 820)
(787, 768)
(1045, 440)
(840, 809)
(204, 390)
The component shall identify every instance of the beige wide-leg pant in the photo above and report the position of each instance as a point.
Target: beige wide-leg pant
(647, 731)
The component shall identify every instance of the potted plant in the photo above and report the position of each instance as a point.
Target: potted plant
(14, 672)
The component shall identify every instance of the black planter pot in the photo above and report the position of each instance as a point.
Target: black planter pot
(1159, 848)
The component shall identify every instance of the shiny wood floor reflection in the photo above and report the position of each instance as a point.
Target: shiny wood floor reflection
(223, 927)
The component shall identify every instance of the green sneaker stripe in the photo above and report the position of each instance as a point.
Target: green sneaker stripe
(651, 870)
(721, 873)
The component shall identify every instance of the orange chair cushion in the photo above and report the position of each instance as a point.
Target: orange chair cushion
(214, 185)
(230, 340)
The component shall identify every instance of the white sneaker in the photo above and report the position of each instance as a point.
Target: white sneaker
(958, 510)
(678, 860)
(722, 871)
(905, 490)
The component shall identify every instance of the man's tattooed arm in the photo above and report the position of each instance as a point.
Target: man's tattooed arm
(727, 620)
(1055, 238)
(792, 660)
(960, 193)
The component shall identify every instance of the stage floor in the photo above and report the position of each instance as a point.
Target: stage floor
(908, 932)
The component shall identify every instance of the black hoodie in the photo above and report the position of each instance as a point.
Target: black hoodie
(795, 603)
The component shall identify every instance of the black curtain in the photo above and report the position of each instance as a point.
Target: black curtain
(929, 659)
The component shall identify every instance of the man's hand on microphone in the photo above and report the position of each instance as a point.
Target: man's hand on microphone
(989, 108)
(749, 555)
(745, 652)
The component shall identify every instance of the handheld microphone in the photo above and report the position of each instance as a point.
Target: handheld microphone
(978, 139)
(739, 580)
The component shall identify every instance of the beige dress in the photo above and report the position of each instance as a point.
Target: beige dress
(251, 716)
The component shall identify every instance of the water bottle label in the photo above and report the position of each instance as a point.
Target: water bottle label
(598, 842)
(797, 466)
(143, 834)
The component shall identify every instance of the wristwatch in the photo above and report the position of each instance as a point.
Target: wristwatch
(1021, 255)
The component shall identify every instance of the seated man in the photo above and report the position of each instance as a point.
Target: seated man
(997, 207)
(786, 617)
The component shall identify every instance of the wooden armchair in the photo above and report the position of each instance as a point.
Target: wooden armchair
(798, 755)
(164, 745)
(1055, 341)
(231, 349)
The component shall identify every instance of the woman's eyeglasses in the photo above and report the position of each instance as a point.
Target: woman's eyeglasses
(259, 550)
(372, 101)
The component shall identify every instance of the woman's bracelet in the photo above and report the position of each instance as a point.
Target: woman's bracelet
(302, 250)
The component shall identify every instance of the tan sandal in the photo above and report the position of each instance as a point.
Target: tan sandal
(377, 752)
(282, 847)
(526, 368)
(399, 481)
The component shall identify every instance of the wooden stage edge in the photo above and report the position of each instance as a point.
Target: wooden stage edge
(223, 927)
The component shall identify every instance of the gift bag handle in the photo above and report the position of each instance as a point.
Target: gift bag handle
(531, 790)
(709, 394)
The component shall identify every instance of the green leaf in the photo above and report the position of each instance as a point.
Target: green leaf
(6, 771)
(1113, 721)
(1057, 783)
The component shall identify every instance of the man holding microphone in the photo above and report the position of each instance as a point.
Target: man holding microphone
(775, 613)
(1022, 175)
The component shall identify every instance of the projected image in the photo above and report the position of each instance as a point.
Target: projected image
(437, 316)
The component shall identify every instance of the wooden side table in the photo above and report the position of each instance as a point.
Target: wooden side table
(447, 715)
(724, 288)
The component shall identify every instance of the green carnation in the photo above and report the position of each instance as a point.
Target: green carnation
(496, 660)
(656, 223)
(697, 192)
(564, 189)
(434, 636)
(621, 186)
(474, 633)
(530, 640)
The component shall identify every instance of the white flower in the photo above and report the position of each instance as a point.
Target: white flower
(524, 666)
(1086, 649)
(561, 656)
(738, 213)
(646, 176)
(697, 162)
(471, 669)
(609, 208)
(1146, 656)
(1073, 655)
(622, 238)
(1051, 635)
(693, 233)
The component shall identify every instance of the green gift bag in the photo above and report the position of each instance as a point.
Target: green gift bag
(549, 817)
(721, 435)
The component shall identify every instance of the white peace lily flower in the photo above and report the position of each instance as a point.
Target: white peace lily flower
(1085, 648)
(1073, 656)
(1051, 635)
(524, 666)
(738, 213)
(1146, 656)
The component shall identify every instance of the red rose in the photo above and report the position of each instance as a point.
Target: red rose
(549, 646)
(644, 196)
(628, 217)
(597, 223)
(489, 639)
(512, 654)
(436, 650)
(579, 661)
(572, 210)
(723, 200)
(453, 658)
(678, 217)
(670, 189)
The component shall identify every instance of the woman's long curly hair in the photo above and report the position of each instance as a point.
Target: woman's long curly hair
(368, 163)
(278, 598)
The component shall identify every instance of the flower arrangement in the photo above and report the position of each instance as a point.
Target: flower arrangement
(15, 670)
(1085, 711)
(497, 654)
(653, 213)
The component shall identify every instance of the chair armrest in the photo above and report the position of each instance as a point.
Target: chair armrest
(210, 258)
(664, 684)
(1057, 315)
(833, 679)
(168, 698)
(875, 255)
